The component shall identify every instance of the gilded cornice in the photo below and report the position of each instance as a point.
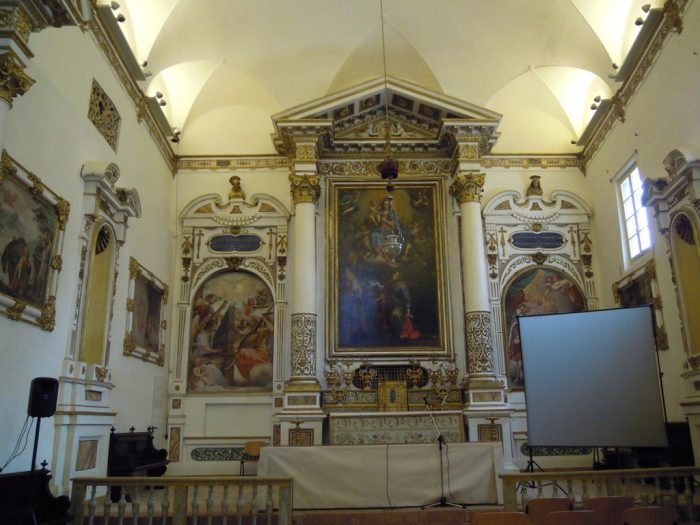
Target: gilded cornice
(143, 113)
(531, 161)
(467, 187)
(672, 22)
(13, 80)
(305, 188)
(15, 20)
(232, 163)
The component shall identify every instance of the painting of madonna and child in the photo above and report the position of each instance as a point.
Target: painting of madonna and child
(231, 334)
(535, 291)
(387, 278)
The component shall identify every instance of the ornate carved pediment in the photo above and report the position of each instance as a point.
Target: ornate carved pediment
(354, 122)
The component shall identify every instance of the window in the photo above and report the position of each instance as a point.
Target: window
(634, 215)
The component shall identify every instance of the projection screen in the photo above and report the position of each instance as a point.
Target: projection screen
(592, 379)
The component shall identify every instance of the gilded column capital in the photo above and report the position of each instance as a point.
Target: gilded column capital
(305, 188)
(467, 187)
(16, 20)
(13, 80)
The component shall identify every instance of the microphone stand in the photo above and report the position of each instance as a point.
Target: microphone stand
(442, 502)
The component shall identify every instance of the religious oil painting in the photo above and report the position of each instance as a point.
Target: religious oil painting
(535, 291)
(386, 270)
(231, 334)
(32, 219)
(146, 311)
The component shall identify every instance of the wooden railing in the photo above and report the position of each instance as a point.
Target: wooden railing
(179, 500)
(675, 487)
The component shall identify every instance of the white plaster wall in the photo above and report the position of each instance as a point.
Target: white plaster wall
(663, 115)
(48, 132)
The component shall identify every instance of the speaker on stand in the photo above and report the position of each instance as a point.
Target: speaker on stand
(43, 394)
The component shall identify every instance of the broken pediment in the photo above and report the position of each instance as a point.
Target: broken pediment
(355, 120)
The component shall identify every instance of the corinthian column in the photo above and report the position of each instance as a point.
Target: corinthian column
(467, 188)
(305, 190)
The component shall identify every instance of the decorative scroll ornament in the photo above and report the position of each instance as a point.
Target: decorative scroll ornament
(306, 152)
(305, 188)
(304, 346)
(47, 321)
(13, 80)
(479, 348)
(467, 187)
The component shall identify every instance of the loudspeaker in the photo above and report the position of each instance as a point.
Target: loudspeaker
(43, 394)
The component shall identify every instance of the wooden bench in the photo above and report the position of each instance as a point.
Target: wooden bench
(25, 498)
(133, 454)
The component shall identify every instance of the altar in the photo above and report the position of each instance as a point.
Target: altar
(390, 475)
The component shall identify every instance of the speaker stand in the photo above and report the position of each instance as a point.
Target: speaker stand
(36, 442)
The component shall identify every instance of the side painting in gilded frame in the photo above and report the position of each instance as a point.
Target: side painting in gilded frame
(535, 291)
(387, 293)
(231, 334)
(32, 223)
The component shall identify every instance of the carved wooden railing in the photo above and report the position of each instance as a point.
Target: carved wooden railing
(178, 500)
(675, 487)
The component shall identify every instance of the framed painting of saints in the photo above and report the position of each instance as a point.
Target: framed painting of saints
(32, 223)
(232, 329)
(146, 311)
(386, 270)
(535, 291)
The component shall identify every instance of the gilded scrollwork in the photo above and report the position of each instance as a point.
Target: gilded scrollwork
(305, 188)
(468, 187)
(104, 115)
(57, 262)
(14, 81)
(306, 151)
(47, 321)
(304, 345)
(62, 208)
(13, 19)
(14, 312)
(129, 345)
(479, 347)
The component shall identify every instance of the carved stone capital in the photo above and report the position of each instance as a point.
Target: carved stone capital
(467, 187)
(477, 326)
(304, 346)
(13, 80)
(305, 188)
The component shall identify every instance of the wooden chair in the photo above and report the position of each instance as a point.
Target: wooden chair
(609, 508)
(501, 518)
(572, 517)
(538, 508)
(651, 515)
(251, 452)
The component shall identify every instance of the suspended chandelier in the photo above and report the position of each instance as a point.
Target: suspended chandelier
(392, 240)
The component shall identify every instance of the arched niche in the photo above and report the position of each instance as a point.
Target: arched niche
(242, 238)
(106, 211)
(675, 200)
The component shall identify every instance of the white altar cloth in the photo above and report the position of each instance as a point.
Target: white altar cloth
(394, 475)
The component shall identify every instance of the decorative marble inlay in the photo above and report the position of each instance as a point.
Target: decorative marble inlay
(467, 187)
(217, 454)
(174, 445)
(177, 404)
(104, 115)
(87, 454)
(408, 428)
(301, 437)
(301, 400)
(479, 348)
(304, 345)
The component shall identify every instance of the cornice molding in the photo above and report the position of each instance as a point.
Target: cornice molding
(672, 21)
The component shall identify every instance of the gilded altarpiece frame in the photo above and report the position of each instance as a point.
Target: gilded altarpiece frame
(386, 304)
(641, 287)
(238, 239)
(145, 315)
(32, 223)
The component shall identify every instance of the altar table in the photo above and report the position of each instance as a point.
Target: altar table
(393, 475)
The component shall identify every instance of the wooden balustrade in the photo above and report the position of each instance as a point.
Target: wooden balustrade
(675, 486)
(178, 500)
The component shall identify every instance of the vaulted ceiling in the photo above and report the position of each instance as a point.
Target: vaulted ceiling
(225, 67)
